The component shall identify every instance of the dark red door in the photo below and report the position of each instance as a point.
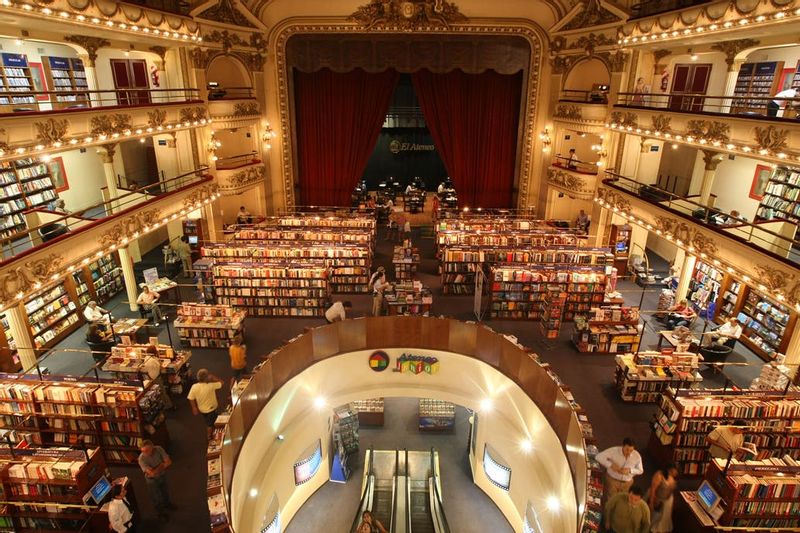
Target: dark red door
(131, 74)
(691, 80)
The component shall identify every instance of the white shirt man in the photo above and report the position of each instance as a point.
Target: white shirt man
(95, 313)
(622, 464)
(788, 93)
(336, 312)
(730, 329)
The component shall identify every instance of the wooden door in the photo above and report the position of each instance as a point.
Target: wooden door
(690, 79)
(131, 74)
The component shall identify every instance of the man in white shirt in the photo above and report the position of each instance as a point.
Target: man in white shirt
(622, 464)
(336, 312)
(149, 299)
(96, 314)
(152, 367)
(120, 512)
(728, 333)
(203, 398)
(725, 442)
(774, 105)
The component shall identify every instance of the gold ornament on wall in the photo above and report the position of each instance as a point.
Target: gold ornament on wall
(203, 193)
(90, 44)
(129, 228)
(661, 123)
(28, 277)
(614, 199)
(407, 15)
(51, 131)
(568, 111)
(193, 114)
(110, 124)
(156, 118)
(771, 138)
(567, 180)
(247, 176)
(241, 109)
(709, 130)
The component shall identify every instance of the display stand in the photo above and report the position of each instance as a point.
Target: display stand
(345, 442)
(552, 311)
(436, 416)
(406, 260)
(619, 240)
(209, 326)
(128, 360)
(370, 412)
(216, 503)
(644, 376)
(609, 330)
(408, 298)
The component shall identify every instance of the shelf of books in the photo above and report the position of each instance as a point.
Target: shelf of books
(24, 184)
(127, 361)
(331, 236)
(116, 415)
(541, 237)
(216, 503)
(756, 494)
(408, 298)
(370, 412)
(496, 223)
(106, 275)
(9, 359)
(15, 76)
(344, 437)
(684, 419)
(730, 292)
(209, 326)
(781, 197)
(81, 288)
(406, 260)
(609, 329)
(52, 315)
(552, 312)
(705, 285)
(436, 416)
(314, 220)
(49, 489)
(68, 76)
(760, 80)
(459, 264)
(642, 377)
(272, 289)
(350, 263)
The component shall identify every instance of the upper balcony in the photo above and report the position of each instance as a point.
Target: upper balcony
(232, 107)
(736, 125)
(649, 8)
(704, 231)
(37, 123)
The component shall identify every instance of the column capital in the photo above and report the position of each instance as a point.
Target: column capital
(107, 151)
(712, 159)
(732, 48)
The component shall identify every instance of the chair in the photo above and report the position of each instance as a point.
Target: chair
(100, 350)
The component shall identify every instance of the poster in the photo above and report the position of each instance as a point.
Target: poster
(760, 181)
(150, 275)
(58, 174)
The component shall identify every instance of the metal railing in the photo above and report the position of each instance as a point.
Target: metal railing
(60, 223)
(236, 161)
(587, 97)
(743, 106)
(16, 102)
(656, 7)
(761, 234)
(574, 165)
(230, 93)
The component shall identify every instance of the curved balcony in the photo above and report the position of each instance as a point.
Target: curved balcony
(239, 172)
(232, 107)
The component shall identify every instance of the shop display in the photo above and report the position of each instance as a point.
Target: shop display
(642, 377)
(552, 311)
(106, 275)
(16, 77)
(128, 359)
(546, 236)
(370, 412)
(436, 415)
(608, 329)
(216, 504)
(24, 184)
(53, 489)
(312, 235)
(619, 240)
(52, 315)
(773, 377)
(684, 419)
(767, 325)
(272, 289)
(731, 292)
(209, 326)
(406, 261)
(81, 289)
(345, 442)
(758, 81)
(408, 298)
(704, 287)
(68, 76)
(781, 196)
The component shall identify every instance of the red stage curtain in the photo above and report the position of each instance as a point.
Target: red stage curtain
(338, 118)
(473, 119)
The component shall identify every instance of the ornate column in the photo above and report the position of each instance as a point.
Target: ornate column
(686, 276)
(642, 150)
(711, 159)
(106, 153)
(731, 49)
(18, 325)
(131, 289)
(91, 45)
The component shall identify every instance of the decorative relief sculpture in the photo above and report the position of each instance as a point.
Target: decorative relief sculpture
(709, 130)
(567, 180)
(771, 138)
(241, 109)
(110, 124)
(156, 118)
(51, 131)
(407, 15)
(90, 44)
(24, 278)
(614, 199)
(193, 114)
(200, 195)
(568, 111)
(661, 123)
(247, 176)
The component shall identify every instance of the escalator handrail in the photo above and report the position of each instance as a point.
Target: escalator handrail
(365, 494)
(392, 526)
(438, 509)
(408, 495)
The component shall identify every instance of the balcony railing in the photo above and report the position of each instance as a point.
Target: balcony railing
(19, 102)
(54, 224)
(656, 7)
(230, 93)
(588, 97)
(742, 106)
(236, 161)
(775, 237)
(574, 165)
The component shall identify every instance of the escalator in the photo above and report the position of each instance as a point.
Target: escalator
(426, 514)
(379, 487)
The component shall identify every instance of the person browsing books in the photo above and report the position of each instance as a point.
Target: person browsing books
(622, 464)
(151, 367)
(337, 311)
(727, 441)
(203, 398)
(238, 354)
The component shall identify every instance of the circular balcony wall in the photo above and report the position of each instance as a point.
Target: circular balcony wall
(292, 395)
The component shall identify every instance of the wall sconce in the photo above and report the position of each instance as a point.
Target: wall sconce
(692, 55)
(268, 135)
(546, 141)
(601, 152)
(213, 144)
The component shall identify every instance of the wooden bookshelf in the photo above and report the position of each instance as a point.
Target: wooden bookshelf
(9, 359)
(24, 184)
(370, 412)
(406, 261)
(705, 285)
(408, 298)
(609, 329)
(52, 314)
(619, 240)
(216, 504)
(127, 362)
(311, 235)
(781, 199)
(56, 411)
(760, 80)
(684, 419)
(518, 239)
(436, 416)
(66, 75)
(272, 289)
(209, 326)
(15, 76)
(642, 377)
(552, 312)
(106, 276)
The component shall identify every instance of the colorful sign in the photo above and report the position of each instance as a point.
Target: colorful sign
(416, 364)
(379, 361)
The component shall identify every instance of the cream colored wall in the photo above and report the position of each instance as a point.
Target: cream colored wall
(716, 81)
(648, 164)
(228, 72)
(85, 176)
(788, 54)
(662, 247)
(732, 182)
(586, 73)
(265, 464)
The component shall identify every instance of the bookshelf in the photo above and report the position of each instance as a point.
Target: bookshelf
(767, 325)
(408, 298)
(705, 285)
(350, 263)
(642, 377)
(731, 292)
(608, 330)
(9, 360)
(757, 494)
(436, 416)
(66, 75)
(106, 276)
(758, 80)
(24, 184)
(302, 234)
(81, 288)
(406, 260)
(272, 289)
(370, 412)
(781, 197)
(43, 489)
(125, 360)
(209, 326)
(116, 415)
(493, 237)
(15, 76)
(216, 503)
(52, 315)
(344, 436)
(552, 312)
(683, 421)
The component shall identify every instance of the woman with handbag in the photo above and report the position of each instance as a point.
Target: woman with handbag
(660, 498)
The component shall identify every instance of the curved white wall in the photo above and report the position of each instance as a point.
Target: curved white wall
(265, 464)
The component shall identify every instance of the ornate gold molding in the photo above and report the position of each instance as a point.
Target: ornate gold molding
(227, 39)
(780, 282)
(203, 193)
(193, 114)
(732, 48)
(161, 52)
(227, 13)
(683, 233)
(626, 120)
(571, 183)
(113, 123)
(241, 109)
(51, 131)
(201, 58)
(568, 111)
(129, 228)
(156, 118)
(771, 138)
(614, 199)
(710, 130)
(661, 123)
(25, 278)
(246, 177)
(90, 44)
(407, 15)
